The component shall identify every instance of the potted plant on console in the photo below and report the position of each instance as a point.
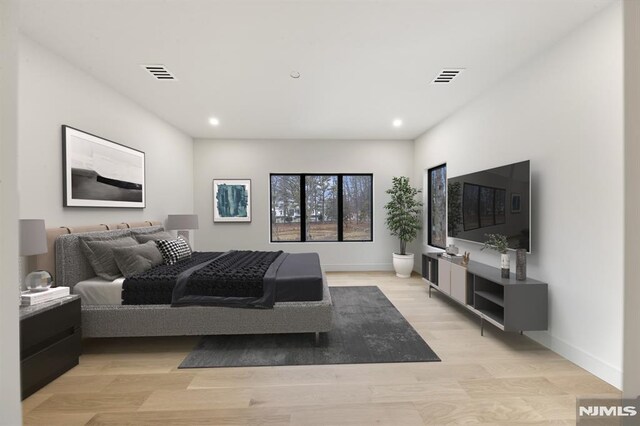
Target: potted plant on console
(404, 215)
(500, 244)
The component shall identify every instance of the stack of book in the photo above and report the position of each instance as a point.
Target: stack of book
(28, 298)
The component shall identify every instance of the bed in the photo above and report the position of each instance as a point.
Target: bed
(103, 316)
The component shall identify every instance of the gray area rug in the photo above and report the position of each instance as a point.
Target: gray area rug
(367, 329)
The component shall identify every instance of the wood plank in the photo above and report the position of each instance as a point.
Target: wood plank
(395, 414)
(78, 384)
(70, 403)
(59, 419)
(461, 411)
(505, 388)
(290, 396)
(196, 399)
(208, 378)
(149, 382)
(192, 417)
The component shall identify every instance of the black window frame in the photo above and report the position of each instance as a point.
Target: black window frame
(303, 207)
(429, 198)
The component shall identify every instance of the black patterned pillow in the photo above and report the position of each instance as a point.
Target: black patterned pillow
(174, 251)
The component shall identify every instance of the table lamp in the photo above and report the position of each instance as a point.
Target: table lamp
(182, 223)
(33, 241)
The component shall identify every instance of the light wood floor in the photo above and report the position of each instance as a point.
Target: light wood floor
(501, 378)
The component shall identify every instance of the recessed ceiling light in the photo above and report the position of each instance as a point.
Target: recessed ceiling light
(294, 74)
(397, 122)
(214, 121)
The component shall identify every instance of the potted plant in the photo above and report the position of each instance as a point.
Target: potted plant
(404, 219)
(500, 244)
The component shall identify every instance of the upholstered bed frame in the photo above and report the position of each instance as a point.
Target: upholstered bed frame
(71, 267)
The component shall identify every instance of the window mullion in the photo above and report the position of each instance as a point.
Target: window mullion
(340, 207)
(303, 208)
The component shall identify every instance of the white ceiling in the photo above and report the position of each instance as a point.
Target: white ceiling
(362, 63)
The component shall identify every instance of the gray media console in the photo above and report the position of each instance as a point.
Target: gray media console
(507, 303)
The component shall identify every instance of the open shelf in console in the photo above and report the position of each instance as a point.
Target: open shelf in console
(488, 290)
(490, 310)
(491, 297)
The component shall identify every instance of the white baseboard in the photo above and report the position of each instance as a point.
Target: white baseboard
(593, 364)
(362, 267)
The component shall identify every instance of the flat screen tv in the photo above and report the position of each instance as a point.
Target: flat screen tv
(493, 201)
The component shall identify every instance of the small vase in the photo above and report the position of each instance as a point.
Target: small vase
(521, 264)
(505, 265)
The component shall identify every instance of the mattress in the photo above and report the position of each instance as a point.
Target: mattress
(299, 278)
(98, 291)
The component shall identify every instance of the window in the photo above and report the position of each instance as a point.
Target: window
(336, 207)
(285, 208)
(437, 212)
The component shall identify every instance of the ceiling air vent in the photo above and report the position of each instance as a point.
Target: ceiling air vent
(160, 72)
(447, 75)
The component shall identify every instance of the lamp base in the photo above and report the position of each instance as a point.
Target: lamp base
(37, 281)
(184, 235)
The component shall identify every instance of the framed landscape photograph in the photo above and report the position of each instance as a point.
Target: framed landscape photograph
(232, 200)
(98, 172)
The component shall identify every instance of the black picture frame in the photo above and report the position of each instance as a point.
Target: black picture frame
(98, 172)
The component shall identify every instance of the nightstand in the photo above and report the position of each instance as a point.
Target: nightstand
(49, 341)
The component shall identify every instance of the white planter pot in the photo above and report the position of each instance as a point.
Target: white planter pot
(403, 264)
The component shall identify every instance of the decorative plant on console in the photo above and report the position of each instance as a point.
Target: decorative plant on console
(404, 220)
(500, 244)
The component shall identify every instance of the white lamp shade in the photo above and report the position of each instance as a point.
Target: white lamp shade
(182, 221)
(33, 237)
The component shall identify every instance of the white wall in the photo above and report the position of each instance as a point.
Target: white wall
(562, 111)
(631, 385)
(10, 410)
(255, 159)
(52, 93)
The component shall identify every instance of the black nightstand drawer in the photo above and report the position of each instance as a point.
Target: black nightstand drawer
(47, 327)
(43, 367)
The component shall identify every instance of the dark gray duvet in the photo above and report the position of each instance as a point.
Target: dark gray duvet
(236, 278)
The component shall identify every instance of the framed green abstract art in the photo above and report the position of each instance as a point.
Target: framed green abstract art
(232, 200)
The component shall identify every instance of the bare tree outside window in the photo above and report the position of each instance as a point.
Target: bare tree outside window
(356, 208)
(285, 208)
(437, 234)
(321, 207)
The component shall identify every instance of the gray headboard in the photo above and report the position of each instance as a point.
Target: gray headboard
(71, 264)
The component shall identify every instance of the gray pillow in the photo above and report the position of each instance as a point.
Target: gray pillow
(155, 236)
(136, 259)
(99, 253)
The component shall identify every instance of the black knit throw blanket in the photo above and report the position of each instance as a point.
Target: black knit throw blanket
(225, 276)
(234, 274)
